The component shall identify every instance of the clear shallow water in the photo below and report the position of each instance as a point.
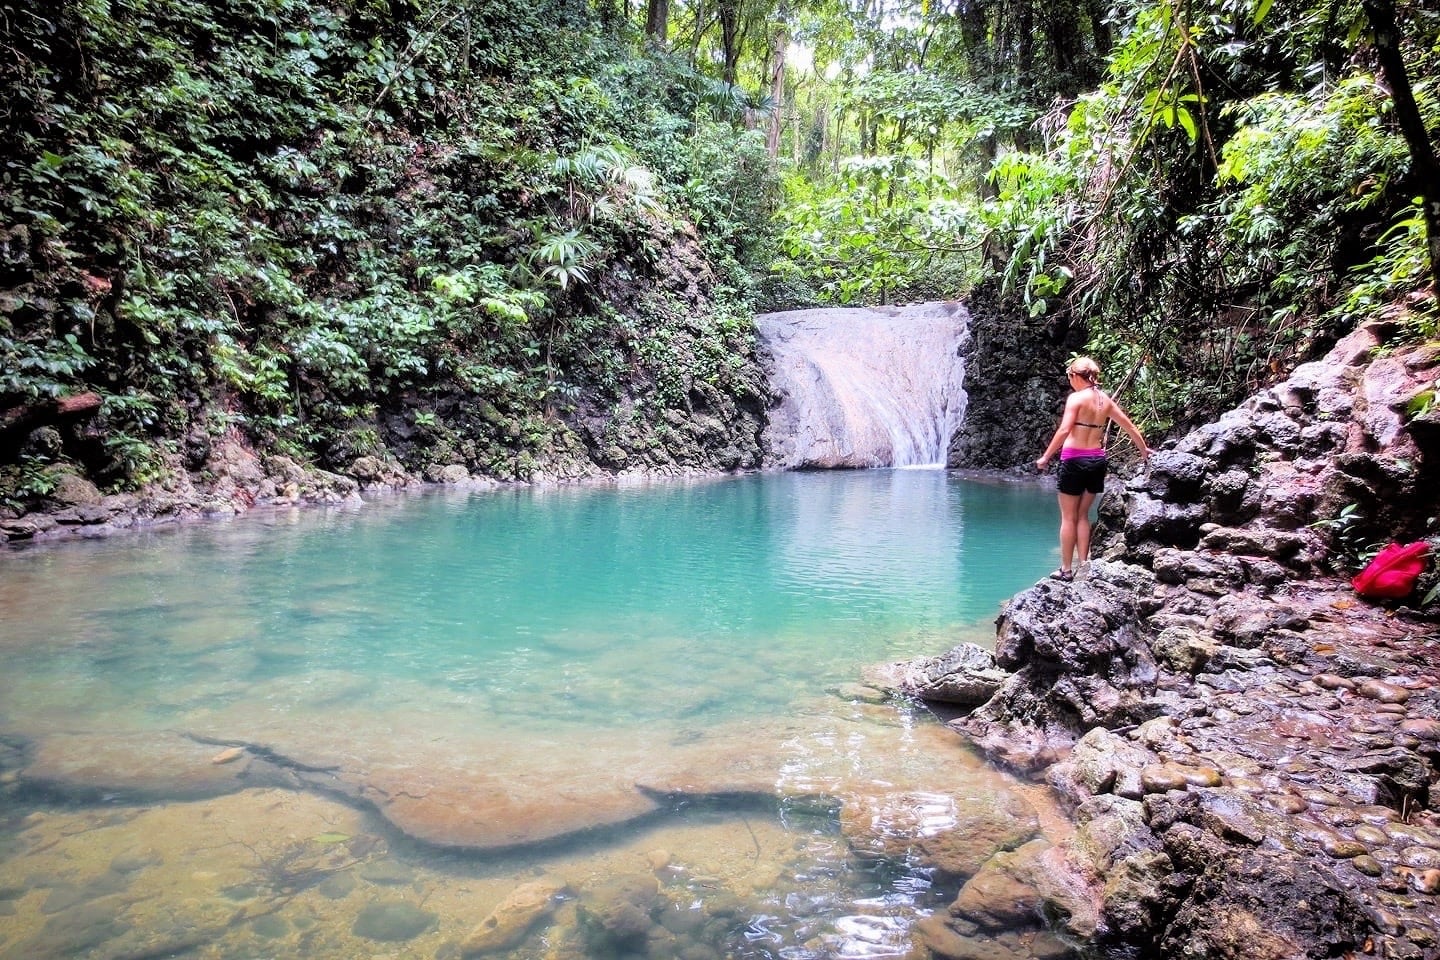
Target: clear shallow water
(489, 671)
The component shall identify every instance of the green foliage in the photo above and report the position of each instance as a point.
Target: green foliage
(883, 227)
(1351, 545)
(1229, 201)
(28, 480)
(304, 215)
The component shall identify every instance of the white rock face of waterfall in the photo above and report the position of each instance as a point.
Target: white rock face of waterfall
(864, 387)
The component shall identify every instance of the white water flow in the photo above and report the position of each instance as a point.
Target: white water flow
(865, 387)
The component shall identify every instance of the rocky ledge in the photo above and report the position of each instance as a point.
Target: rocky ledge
(1249, 750)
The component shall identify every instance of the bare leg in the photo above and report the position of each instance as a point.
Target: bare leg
(1069, 522)
(1082, 527)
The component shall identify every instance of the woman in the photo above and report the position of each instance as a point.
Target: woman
(1080, 439)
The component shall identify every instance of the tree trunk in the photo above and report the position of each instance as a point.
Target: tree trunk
(1426, 169)
(657, 22)
(1099, 29)
(729, 11)
(777, 79)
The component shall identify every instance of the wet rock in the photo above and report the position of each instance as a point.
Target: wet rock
(1407, 834)
(1367, 865)
(1426, 881)
(1183, 650)
(1150, 519)
(1254, 903)
(1084, 663)
(954, 835)
(617, 913)
(72, 490)
(393, 921)
(1101, 762)
(1162, 777)
(1383, 692)
(1110, 829)
(387, 873)
(1343, 849)
(1424, 858)
(1240, 818)
(514, 917)
(965, 676)
(1136, 890)
(997, 898)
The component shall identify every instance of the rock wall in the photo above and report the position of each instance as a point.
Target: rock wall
(1249, 750)
(1015, 381)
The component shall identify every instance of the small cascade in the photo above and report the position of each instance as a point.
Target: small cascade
(861, 387)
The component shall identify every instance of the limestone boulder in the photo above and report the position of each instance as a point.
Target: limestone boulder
(514, 917)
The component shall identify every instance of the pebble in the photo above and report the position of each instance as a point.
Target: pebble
(1422, 728)
(1317, 834)
(1343, 849)
(1332, 681)
(1425, 881)
(1201, 776)
(1163, 778)
(1378, 815)
(1372, 836)
(1367, 865)
(1287, 803)
(1322, 797)
(1423, 858)
(1341, 816)
(1411, 835)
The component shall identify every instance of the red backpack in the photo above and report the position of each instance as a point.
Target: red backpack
(1393, 572)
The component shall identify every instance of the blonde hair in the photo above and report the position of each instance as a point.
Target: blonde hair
(1086, 369)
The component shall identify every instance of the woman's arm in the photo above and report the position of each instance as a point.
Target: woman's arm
(1136, 437)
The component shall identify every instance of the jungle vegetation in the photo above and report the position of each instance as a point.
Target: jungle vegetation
(504, 234)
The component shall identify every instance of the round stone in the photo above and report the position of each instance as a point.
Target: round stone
(1287, 803)
(1201, 776)
(1343, 849)
(1371, 835)
(1423, 729)
(393, 921)
(1375, 814)
(1425, 881)
(1410, 835)
(1163, 778)
(1422, 858)
(1367, 865)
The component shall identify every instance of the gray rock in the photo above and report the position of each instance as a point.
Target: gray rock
(393, 921)
(965, 676)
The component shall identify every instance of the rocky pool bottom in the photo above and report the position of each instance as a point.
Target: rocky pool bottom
(831, 834)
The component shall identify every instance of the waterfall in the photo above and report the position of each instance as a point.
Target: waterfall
(862, 387)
